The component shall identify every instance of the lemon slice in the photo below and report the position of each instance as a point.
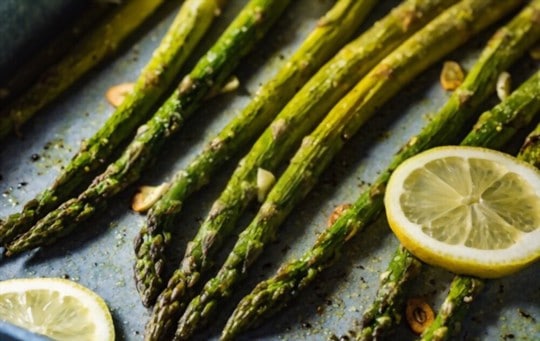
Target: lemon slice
(470, 210)
(57, 308)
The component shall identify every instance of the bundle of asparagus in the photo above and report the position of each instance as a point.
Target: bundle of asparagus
(92, 49)
(503, 49)
(189, 26)
(341, 123)
(332, 31)
(302, 112)
(394, 52)
(493, 129)
(212, 70)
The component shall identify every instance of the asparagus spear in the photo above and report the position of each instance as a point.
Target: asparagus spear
(385, 311)
(530, 151)
(462, 292)
(439, 37)
(92, 49)
(190, 24)
(493, 129)
(212, 69)
(503, 49)
(32, 69)
(331, 32)
(308, 106)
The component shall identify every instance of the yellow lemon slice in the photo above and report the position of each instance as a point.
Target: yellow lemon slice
(57, 308)
(470, 210)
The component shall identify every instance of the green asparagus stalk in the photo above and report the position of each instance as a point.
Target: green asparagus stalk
(508, 44)
(530, 151)
(92, 49)
(66, 39)
(303, 111)
(493, 129)
(443, 34)
(386, 310)
(463, 291)
(331, 32)
(211, 70)
(187, 29)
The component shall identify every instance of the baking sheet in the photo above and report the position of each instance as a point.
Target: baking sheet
(100, 254)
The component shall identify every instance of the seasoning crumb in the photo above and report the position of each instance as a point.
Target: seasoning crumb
(147, 196)
(115, 94)
(452, 75)
(35, 157)
(338, 211)
(306, 325)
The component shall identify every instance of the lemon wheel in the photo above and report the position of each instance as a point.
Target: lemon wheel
(470, 210)
(57, 308)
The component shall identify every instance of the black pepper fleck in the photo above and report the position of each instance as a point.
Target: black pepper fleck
(34, 157)
(526, 315)
(306, 325)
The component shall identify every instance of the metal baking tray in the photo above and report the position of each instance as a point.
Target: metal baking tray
(100, 253)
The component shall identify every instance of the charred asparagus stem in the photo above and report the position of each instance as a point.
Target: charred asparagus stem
(92, 49)
(508, 44)
(190, 24)
(446, 32)
(332, 31)
(493, 129)
(308, 106)
(212, 69)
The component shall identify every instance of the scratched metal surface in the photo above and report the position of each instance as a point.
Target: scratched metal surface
(99, 255)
